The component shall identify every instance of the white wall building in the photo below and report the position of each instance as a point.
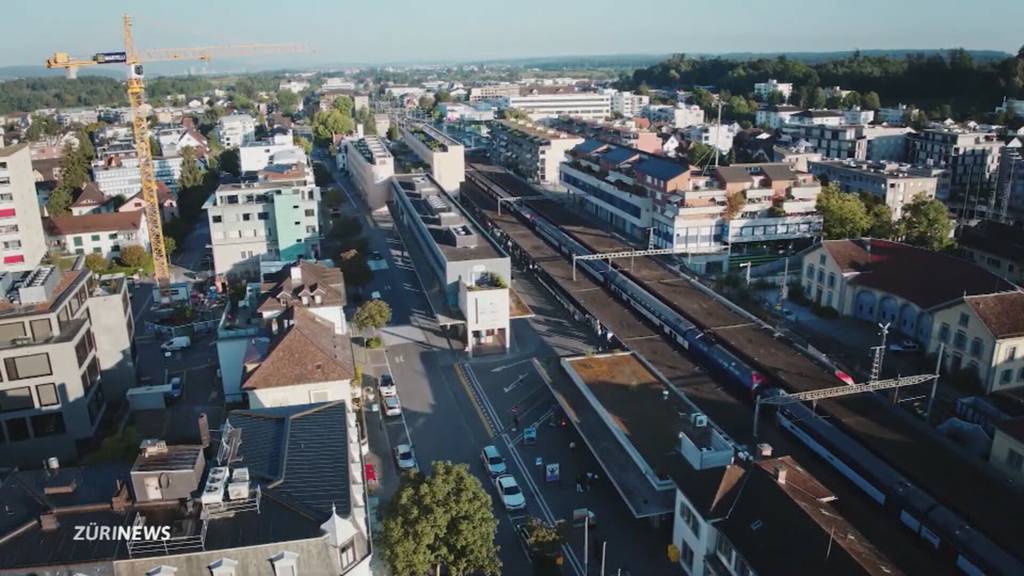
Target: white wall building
(579, 104)
(713, 135)
(22, 241)
(774, 117)
(293, 86)
(856, 115)
(370, 166)
(104, 233)
(678, 116)
(120, 177)
(235, 129)
(763, 90)
(629, 104)
(445, 155)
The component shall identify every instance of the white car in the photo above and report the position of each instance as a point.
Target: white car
(405, 458)
(906, 345)
(508, 490)
(386, 385)
(375, 295)
(492, 460)
(392, 407)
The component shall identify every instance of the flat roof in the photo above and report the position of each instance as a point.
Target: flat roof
(536, 131)
(421, 190)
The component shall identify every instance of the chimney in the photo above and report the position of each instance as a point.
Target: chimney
(204, 430)
(780, 474)
(296, 273)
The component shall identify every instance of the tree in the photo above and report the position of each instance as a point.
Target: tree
(699, 153)
(288, 101)
(426, 102)
(844, 214)
(74, 168)
(344, 105)
(516, 114)
(871, 101)
(926, 223)
(643, 89)
(134, 256)
(852, 99)
(443, 520)
(393, 132)
(544, 543)
(331, 122)
(96, 263)
(775, 98)
(303, 143)
(734, 204)
(372, 315)
(882, 225)
(170, 244)
(191, 174)
(59, 203)
(230, 161)
(818, 98)
(354, 268)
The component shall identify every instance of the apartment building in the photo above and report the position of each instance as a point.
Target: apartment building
(119, 176)
(719, 136)
(104, 233)
(278, 149)
(445, 155)
(1009, 201)
(328, 96)
(835, 142)
(895, 115)
(291, 506)
(471, 273)
(895, 184)
(531, 151)
(972, 159)
(620, 133)
(655, 199)
(996, 247)
(764, 90)
(294, 86)
(590, 105)
(460, 112)
(370, 166)
(774, 116)
(678, 116)
(628, 104)
(886, 143)
(266, 219)
(22, 239)
(50, 396)
(234, 130)
(856, 115)
(493, 92)
(818, 118)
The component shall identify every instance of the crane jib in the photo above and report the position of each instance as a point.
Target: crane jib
(110, 57)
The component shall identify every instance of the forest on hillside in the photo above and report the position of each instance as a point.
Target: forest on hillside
(971, 88)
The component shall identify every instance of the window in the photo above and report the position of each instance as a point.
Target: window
(1011, 353)
(162, 571)
(348, 553)
(246, 217)
(10, 332)
(960, 340)
(810, 271)
(263, 216)
(48, 424)
(310, 212)
(82, 350)
(17, 429)
(41, 329)
(831, 279)
(112, 236)
(310, 229)
(29, 366)
(690, 518)
(95, 237)
(1014, 459)
(16, 399)
(725, 549)
(944, 333)
(285, 564)
(976, 347)
(964, 319)
(218, 219)
(47, 394)
(821, 259)
(77, 241)
(97, 250)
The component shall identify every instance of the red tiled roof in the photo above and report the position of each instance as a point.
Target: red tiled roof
(86, 223)
(1002, 313)
(307, 352)
(90, 196)
(909, 272)
(315, 277)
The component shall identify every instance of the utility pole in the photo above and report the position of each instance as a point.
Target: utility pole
(718, 128)
(935, 383)
(879, 355)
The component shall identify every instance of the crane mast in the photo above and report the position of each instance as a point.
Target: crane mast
(140, 129)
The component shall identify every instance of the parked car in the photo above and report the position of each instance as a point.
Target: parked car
(176, 388)
(375, 255)
(392, 407)
(509, 492)
(904, 346)
(386, 385)
(375, 295)
(176, 343)
(405, 458)
(492, 460)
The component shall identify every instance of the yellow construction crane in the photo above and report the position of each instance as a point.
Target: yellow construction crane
(137, 97)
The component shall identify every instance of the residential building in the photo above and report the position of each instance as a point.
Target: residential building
(886, 143)
(119, 176)
(329, 96)
(104, 233)
(460, 112)
(370, 166)
(764, 90)
(90, 201)
(679, 116)
(49, 393)
(715, 135)
(1009, 202)
(620, 133)
(168, 203)
(895, 115)
(1007, 453)
(82, 116)
(335, 83)
(658, 200)
(1013, 106)
(113, 323)
(533, 152)
(856, 115)
(468, 274)
(267, 219)
(279, 149)
(296, 86)
(774, 117)
(283, 492)
(983, 333)
(580, 104)
(894, 184)
(798, 155)
(175, 139)
(995, 246)
(22, 239)
(972, 159)
(628, 104)
(835, 142)
(234, 130)
(879, 281)
(493, 92)
(445, 155)
(817, 118)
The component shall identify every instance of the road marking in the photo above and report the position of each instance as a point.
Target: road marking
(514, 383)
(505, 366)
(399, 359)
(461, 375)
(405, 425)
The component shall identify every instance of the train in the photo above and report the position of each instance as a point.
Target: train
(940, 527)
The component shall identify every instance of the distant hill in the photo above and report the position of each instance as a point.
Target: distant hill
(816, 57)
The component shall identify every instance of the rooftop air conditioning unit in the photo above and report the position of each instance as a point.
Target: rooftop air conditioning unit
(238, 490)
(699, 420)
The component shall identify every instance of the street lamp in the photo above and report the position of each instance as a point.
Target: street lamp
(747, 266)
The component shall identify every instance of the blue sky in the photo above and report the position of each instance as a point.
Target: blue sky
(380, 31)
